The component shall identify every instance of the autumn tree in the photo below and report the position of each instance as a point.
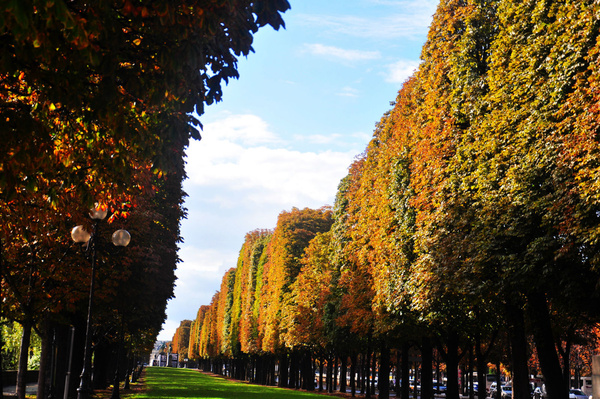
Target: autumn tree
(95, 98)
(450, 84)
(472, 214)
(131, 71)
(291, 236)
(523, 183)
(243, 331)
(255, 256)
(302, 322)
(355, 290)
(224, 326)
(304, 318)
(384, 230)
(181, 339)
(209, 339)
(195, 331)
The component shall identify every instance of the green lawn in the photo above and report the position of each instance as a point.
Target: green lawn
(171, 383)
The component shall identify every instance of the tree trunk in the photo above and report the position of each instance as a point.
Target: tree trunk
(293, 369)
(45, 361)
(23, 358)
(373, 372)
(283, 370)
(405, 371)
(308, 377)
(353, 361)
(438, 375)
(102, 354)
(518, 344)
(426, 369)
(321, 364)
(335, 372)
(258, 369)
(360, 371)
(367, 373)
(566, 362)
(384, 371)
(361, 374)
(343, 373)
(272, 362)
(463, 379)
(546, 349)
(329, 382)
(498, 381)
(471, 361)
(452, 391)
(481, 369)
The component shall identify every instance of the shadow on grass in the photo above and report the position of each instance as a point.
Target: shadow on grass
(164, 382)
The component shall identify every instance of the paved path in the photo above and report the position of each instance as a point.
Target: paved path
(12, 389)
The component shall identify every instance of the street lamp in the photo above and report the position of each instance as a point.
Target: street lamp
(120, 238)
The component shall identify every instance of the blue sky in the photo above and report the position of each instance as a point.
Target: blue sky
(304, 107)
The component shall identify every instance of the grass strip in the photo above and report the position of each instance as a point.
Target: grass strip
(172, 383)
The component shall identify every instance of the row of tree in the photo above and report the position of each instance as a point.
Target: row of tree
(98, 101)
(470, 224)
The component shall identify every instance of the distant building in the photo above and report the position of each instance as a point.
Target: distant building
(158, 356)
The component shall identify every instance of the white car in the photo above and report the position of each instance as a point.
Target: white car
(506, 392)
(577, 394)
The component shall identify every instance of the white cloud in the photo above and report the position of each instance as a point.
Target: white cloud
(348, 91)
(196, 262)
(247, 129)
(266, 174)
(168, 329)
(199, 272)
(320, 138)
(340, 53)
(401, 70)
(337, 140)
(411, 22)
(416, 5)
(241, 177)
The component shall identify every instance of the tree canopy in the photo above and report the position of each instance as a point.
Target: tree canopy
(98, 102)
(472, 214)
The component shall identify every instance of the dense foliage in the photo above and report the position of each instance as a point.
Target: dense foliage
(181, 339)
(98, 102)
(469, 227)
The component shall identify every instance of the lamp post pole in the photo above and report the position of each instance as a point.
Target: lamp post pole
(120, 238)
(84, 391)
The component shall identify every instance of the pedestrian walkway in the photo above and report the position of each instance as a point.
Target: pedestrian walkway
(11, 390)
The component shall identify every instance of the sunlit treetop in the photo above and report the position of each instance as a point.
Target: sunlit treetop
(88, 88)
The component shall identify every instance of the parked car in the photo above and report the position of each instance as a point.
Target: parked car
(577, 394)
(506, 392)
(493, 389)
